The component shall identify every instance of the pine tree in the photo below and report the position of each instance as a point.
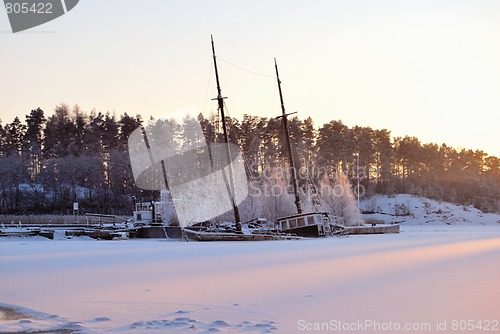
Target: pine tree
(33, 141)
(92, 137)
(409, 156)
(383, 161)
(309, 139)
(77, 146)
(332, 146)
(2, 139)
(127, 125)
(14, 134)
(59, 133)
(366, 149)
(250, 143)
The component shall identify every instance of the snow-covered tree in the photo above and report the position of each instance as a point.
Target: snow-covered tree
(338, 197)
(272, 190)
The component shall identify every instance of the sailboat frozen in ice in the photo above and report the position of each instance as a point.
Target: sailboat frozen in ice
(320, 223)
(310, 224)
(208, 180)
(236, 231)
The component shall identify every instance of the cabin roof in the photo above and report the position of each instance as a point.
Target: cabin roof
(305, 215)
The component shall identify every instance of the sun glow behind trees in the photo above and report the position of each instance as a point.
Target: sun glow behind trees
(427, 69)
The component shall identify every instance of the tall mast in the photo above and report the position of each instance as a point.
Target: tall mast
(293, 170)
(220, 101)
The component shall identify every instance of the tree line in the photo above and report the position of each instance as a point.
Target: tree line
(382, 164)
(49, 162)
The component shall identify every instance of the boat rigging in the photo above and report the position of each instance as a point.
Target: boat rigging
(284, 117)
(220, 101)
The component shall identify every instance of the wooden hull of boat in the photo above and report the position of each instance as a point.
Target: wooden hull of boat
(18, 233)
(227, 236)
(310, 231)
(378, 229)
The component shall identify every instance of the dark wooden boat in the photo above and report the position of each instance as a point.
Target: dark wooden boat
(218, 235)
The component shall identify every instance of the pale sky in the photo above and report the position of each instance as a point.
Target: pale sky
(429, 69)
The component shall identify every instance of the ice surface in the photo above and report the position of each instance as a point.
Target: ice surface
(428, 273)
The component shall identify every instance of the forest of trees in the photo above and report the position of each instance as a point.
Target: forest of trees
(49, 162)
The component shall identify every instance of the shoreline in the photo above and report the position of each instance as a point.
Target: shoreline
(9, 314)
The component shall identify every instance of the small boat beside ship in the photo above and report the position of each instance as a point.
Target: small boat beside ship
(312, 224)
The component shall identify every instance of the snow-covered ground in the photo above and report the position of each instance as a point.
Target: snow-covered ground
(429, 278)
(412, 210)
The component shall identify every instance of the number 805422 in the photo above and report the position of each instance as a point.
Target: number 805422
(24, 8)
